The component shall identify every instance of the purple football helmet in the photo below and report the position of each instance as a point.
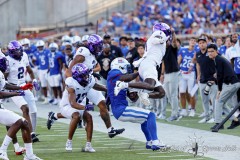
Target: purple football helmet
(80, 73)
(95, 44)
(3, 64)
(163, 27)
(15, 50)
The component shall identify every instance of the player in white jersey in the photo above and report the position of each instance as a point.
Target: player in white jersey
(77, 88)
(18, 65)
(86, 55)
(11, 119)
(154, 51)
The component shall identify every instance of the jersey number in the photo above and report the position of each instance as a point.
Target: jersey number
(80, 97)
(20, 72)
(186, 63)
(51, 62)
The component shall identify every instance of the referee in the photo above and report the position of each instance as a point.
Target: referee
(228, 83)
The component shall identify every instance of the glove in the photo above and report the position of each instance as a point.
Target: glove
(136, 64)
(119, 86)
(98, 76)
(27, 86)
(144, 98)
(20, 93)
(89, 107)
(36, 85)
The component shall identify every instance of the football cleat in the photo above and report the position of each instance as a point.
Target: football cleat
(34, 138)
(20, 151)
(31, 157)
(115, 132)
(50, 120)
(69, 146)
(159, 146)
(89, 148)
(149, 145)
(3, 155)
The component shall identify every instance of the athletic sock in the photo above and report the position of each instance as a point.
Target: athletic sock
(145, 130)
(34, 121)
(29, 149)
(152, 126)
(7, 140)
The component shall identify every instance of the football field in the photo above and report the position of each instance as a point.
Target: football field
(182, 136)
(52, 146)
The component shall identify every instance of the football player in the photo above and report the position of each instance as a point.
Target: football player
(41, 57)
(116, 84)
(71, 106)
(11, 119)
(87, 55)
(55, 72)
(187, 79)
(154, 51)
(18, 65)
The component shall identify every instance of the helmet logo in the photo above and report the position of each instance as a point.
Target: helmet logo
(93, 39)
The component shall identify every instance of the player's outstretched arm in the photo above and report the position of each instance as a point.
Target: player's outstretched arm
(141, 85)
(8, 94)
(129, 77)
(100, 87)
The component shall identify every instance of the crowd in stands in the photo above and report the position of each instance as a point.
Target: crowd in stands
(186, 16)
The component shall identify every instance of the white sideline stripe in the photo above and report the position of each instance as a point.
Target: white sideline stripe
(189, 159)
(168, 156)
(120, 140)
(137, 149)
(152, 152)
(114, 144)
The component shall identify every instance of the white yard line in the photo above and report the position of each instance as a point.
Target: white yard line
(167, 156)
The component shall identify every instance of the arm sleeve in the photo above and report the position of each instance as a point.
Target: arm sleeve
(220, 76)
(69, 83)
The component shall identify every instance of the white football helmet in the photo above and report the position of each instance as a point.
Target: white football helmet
(40, 43)
(25, 41)
(53, 47)
(121, 64)
(85, 38)
(76, 39)
(66, 38)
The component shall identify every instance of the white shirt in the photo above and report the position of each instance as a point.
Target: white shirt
(80, 91)
(17, 69)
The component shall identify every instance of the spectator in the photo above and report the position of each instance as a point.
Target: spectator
(132, 53)
(123, 45)
(116, 51)
(105, 60)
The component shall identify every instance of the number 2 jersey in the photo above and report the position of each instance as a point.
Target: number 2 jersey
(17, 69)
(80, 91)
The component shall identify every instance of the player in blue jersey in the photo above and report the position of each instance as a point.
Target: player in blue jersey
(41, 60)
(117, 92)
(55, 72)
(187, 79)
(29, 50)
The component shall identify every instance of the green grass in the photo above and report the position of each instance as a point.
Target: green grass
(52, 146)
